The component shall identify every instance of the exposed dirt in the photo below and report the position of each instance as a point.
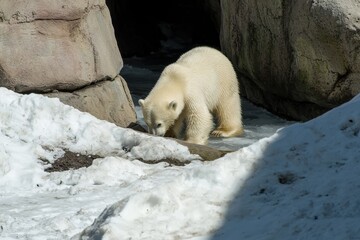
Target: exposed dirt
(71, 160)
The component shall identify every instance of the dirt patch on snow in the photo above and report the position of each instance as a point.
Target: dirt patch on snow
(71, 160)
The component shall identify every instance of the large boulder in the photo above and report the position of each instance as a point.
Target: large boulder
(56, 44)
(298, 58)
(106, 100)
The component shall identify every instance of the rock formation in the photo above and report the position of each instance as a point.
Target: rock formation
(64, 46)
(297, 58)
(106, 100)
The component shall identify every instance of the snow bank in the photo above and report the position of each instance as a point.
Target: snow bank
(34, 127)
(301, 183)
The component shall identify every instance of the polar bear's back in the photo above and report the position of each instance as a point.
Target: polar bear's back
(204, 55)
(211, 71)
(207, 61)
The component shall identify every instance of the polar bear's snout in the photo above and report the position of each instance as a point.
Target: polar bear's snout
(157, 132)
(157, 129)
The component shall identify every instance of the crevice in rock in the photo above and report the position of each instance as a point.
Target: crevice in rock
(3, 76)
(59, 88)
(127, 93)
(23, 18)
(287, 13)
(56, 19)
(342, 77)
(2, 17)
(29, 19)
(340, 83)
(39, 20)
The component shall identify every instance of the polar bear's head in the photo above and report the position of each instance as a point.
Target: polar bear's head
(159, 117)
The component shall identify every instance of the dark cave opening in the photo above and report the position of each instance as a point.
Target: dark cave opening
(144, 27)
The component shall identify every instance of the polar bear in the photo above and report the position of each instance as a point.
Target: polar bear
(200, 85)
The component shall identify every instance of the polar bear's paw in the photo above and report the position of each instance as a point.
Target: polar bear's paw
(219, 132)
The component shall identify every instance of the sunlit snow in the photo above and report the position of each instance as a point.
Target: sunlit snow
(300, 183)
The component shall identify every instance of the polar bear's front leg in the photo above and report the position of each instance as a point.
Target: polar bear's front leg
(198, 125)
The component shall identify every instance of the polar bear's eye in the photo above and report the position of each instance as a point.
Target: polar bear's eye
(158, 125)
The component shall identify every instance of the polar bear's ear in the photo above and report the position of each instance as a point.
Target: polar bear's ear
(173, 105)
(141, 102)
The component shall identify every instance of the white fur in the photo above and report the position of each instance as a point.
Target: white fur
(200, 84)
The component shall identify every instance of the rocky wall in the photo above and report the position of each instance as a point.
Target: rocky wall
(66, 47)
(297, 58)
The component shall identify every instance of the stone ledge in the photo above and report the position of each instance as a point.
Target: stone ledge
(106, 100)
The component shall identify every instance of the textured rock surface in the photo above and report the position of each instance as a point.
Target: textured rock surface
(106, 100)
(298, 58)
(56, 44)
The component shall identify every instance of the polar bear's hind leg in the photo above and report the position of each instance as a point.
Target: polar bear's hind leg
(229, 118)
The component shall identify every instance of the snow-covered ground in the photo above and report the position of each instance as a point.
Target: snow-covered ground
(303, 182)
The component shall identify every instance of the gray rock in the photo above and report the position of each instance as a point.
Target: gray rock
(106, 100)
(57, 44)
(297, 58)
